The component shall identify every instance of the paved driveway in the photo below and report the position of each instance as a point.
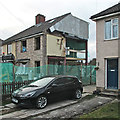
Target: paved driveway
(75, 109)
(63, 109)
(89, 88)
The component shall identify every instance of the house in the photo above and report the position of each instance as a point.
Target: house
(60, 40)
(92, 62)
(108, 48)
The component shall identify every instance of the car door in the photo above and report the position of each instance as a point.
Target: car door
(57, 89)
(69, 85)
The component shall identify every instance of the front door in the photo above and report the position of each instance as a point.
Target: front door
(112, 73)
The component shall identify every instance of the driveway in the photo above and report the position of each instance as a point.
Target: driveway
(63, 109)
(76, 109)
(89, 88)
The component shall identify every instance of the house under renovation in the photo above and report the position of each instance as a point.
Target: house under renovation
(61, 40)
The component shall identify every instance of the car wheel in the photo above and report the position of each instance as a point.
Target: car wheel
(78, 94)
(41, 102)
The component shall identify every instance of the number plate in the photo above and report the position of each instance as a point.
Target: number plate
(14, 100)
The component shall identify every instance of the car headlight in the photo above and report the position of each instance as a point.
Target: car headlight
(27, 95)
(15, 92)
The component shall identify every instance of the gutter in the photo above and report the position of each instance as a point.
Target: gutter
(97, 18)
(22, 38)
(29, 36)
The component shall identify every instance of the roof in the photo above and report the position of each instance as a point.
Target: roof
(111, 10)
(35, 29)
(59, 76)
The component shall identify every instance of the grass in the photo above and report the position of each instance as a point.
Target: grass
(111, 110)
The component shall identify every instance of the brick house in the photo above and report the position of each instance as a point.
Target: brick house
(60, 40)
(108, 48)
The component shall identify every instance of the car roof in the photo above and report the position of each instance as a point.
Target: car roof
(59, 76)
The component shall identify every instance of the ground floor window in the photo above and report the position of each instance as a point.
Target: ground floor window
(37, 65)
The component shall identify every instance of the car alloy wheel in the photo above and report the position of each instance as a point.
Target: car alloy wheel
(41, 102)
(78, 94)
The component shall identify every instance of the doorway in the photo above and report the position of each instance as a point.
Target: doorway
(112, 73)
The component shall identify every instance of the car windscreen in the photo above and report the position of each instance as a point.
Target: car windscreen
(42, 82)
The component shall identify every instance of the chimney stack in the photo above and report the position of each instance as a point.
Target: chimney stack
(39, 19)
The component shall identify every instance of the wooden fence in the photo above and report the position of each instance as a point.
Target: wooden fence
(9, 87)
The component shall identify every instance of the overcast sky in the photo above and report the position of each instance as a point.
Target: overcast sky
(17, 15)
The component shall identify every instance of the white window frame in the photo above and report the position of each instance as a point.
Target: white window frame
(112, 24)
(9, 48)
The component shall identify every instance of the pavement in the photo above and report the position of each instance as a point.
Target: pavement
(89, 88)
(62, 109)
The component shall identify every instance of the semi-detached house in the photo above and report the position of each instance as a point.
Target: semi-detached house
(108, 48)
(61, 40)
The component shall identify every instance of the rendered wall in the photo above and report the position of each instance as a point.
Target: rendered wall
(73, 25)
(104, 49)
(4, 49)
(14, 49)
(55, 46)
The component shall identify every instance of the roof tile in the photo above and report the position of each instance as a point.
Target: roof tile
(113, 9)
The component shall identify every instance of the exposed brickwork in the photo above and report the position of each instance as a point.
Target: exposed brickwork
(31, 53)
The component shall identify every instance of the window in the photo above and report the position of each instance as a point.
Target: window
(9, 50)
(37, 64)
(24, 46)
(60, 81)
(64, 80)
(69, 80)
(37, 43)
(111, 29)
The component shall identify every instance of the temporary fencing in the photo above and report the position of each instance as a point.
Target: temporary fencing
(12, 73)
(12, 77)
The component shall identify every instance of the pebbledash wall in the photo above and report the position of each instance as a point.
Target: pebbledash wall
(31, 53)
(106, 49)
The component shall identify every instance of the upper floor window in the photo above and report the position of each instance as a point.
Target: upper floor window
(111, 29)
(9, 50)
(37, 43)
(23, 46)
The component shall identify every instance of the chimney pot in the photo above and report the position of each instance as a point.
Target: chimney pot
(39, 18)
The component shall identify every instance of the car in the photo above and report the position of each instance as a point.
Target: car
(39, 92)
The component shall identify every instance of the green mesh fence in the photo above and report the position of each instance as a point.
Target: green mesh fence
(6, 72)
(86, 74)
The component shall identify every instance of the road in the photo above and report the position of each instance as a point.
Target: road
(61, 109)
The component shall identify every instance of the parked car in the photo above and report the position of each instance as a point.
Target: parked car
(39, 92)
